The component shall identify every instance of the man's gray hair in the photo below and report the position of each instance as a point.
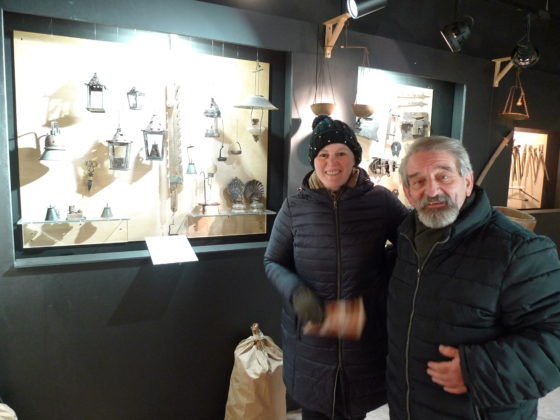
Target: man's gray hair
(440, 144)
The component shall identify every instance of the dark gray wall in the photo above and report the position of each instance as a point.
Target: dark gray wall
(126, 340)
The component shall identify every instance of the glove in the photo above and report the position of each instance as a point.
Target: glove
(307, 305)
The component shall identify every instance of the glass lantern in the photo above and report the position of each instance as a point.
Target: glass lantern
(119, 152)
(135, 99)
(95, 91)
(154, 139)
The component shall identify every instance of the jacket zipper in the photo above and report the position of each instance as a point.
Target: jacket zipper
(411, 318)
(338, 281)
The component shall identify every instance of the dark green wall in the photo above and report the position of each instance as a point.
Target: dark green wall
(126, 340)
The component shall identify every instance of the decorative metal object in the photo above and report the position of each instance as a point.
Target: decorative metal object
(516, 103)
(135, 99)
(257, 101)
(154, 139)
(208, 176)
(52, 214)
(74, 214)
(235, 189)
(191, 168)
(107, 213)
(235, 149)
(95, 92)
(220, 157)
(54, 145)
(255, 129)
(254, 193)
(119, 151)
(90, 169)
(213, 111)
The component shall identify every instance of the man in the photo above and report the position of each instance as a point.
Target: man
(474, 299)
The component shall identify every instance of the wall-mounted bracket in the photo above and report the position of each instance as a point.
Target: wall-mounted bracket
(499, 73)
(333, 28)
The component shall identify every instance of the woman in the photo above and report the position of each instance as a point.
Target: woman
(328, 244)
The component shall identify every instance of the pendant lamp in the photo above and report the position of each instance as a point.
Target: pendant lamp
(516, 103)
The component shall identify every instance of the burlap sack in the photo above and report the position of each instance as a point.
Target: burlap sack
(6, 413)
(256, 389)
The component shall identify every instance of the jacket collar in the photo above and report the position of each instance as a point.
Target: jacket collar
(470, 218)
(363, 185)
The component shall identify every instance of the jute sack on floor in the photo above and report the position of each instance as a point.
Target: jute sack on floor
(256, 389)
(6, 413)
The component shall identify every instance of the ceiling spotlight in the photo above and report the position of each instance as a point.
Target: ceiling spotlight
(358, 9)
(457, 32)
(524, 54)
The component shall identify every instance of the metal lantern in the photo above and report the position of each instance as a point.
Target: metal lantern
(95, 91)
(135, 99)
(154, 139)
(119, 151)
(54, 146)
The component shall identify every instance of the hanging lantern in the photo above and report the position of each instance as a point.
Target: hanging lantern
(135, 99)
(119, 151)
(54, 146)
(516, 103)
(258, 102)
(256, 128)
(154, 139)
(95, 91)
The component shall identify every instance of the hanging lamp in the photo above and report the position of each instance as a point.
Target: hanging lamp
(516, 103)
(257, 102)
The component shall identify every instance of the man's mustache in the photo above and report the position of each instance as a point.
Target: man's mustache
(440, 198)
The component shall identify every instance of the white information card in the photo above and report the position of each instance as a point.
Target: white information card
(170, 249)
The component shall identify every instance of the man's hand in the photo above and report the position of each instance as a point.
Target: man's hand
(448, 374)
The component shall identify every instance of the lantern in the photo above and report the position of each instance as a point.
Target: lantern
(135, 99)
(119, 151)
(154, 136)
(95, 92)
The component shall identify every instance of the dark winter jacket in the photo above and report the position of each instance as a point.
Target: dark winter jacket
(490, 288)
(336, 248)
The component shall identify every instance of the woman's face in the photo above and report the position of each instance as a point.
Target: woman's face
(333, 165)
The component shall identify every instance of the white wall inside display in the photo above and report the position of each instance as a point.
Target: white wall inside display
(528, 170)
(157, 197)
(402, 114)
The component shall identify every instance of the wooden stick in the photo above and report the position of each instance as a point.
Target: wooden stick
(491, 161)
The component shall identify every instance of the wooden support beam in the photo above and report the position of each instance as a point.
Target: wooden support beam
(333, 28)
(500, 73)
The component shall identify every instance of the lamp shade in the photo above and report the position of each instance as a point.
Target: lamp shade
(358, 8)
(257, 102)
(54, 146)
(524, 55)
(457, 32)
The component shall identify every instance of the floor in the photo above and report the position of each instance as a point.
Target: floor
(549, 409)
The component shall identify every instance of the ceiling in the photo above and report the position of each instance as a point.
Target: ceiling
(498, 24)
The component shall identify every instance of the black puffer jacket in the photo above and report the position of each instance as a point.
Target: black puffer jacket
(336, 248)
(492, 289)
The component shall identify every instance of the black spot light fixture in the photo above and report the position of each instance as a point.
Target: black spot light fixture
(458, 31)
(524, 54)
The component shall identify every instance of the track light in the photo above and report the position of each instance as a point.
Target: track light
(456, 33)
(358, 9)
(524, 54)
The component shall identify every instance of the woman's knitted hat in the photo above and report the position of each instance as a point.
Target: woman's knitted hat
(328, 131)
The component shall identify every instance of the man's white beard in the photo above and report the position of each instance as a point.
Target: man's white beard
(438, 217)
